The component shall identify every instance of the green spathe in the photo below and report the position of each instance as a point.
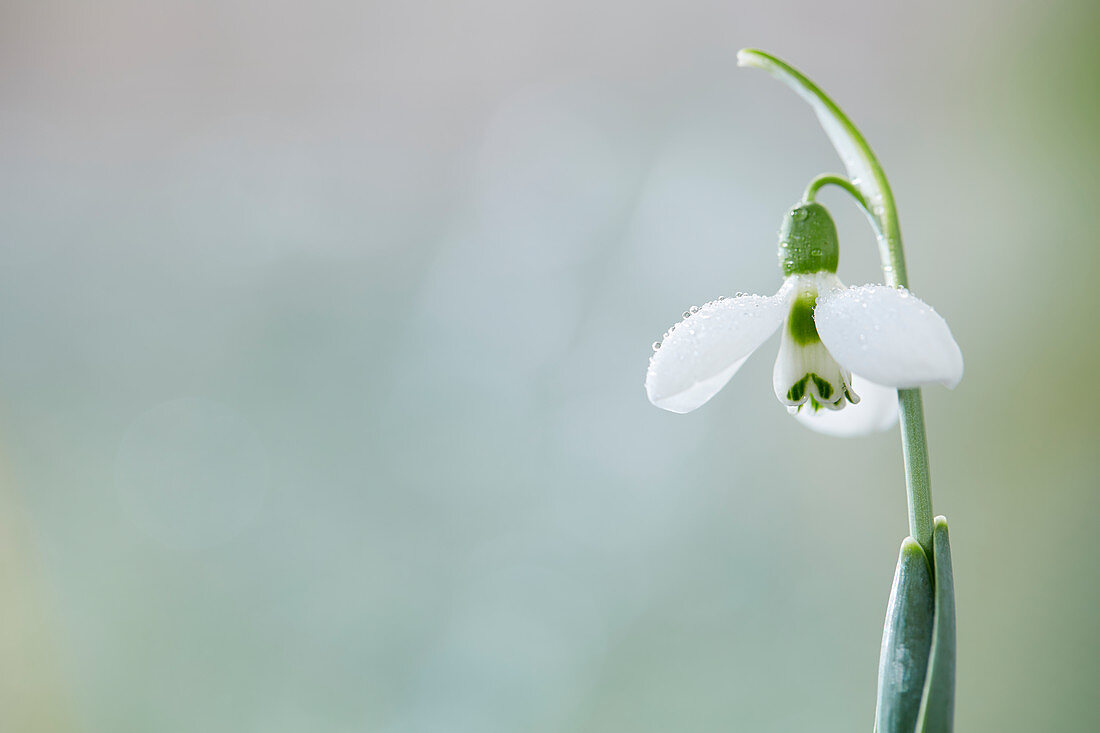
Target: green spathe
(807, 241)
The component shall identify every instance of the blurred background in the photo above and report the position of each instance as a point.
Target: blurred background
(324, 327)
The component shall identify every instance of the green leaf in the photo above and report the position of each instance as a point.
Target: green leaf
(906, 642)
(938, 705)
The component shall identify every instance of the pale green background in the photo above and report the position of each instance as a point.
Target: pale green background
(324, 328)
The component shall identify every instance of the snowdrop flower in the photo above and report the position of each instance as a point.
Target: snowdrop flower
(842, 353)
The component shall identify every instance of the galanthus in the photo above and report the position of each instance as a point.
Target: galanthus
(843, 351)
(851, 360)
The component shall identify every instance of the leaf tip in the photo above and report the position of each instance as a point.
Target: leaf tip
(910, 547)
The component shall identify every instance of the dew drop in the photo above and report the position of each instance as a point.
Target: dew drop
(656, 345)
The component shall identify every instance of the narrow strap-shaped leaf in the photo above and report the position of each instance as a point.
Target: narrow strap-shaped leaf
(906, 640)
(938, 705)
(858, 158)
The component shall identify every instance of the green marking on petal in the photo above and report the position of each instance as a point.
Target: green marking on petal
(823, 388)
(798, 390)
(801, 320)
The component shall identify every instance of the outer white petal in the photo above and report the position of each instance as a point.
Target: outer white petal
(889, 336)
(877, 410)
(702, 352)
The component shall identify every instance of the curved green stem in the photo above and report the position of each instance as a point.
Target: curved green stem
(869, 187)
(829, 179)
(862, 166)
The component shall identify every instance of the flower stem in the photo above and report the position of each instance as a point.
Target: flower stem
(914, 443)
(914, 449)
(868, 185)
(826, 179)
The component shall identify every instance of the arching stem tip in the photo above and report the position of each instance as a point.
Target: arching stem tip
(751, 57)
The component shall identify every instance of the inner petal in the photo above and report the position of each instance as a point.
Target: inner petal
(805, 372)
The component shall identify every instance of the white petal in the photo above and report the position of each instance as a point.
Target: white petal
(702, 352)
(888, 335)
(877, 410)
